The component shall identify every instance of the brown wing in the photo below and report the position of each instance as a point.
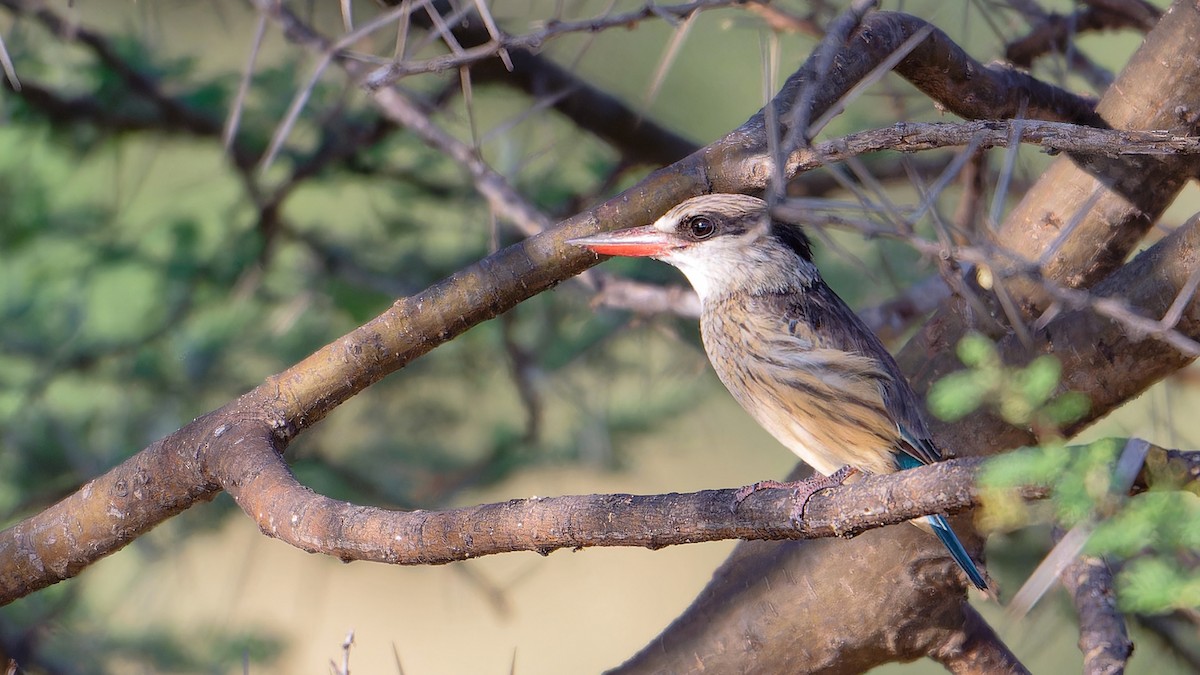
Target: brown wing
(824, 316)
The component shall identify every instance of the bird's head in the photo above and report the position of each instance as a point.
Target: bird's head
(723, 243)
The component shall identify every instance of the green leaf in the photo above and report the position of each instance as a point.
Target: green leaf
(977, 351)
(956, 395)
(1067, 408)
(1039, 465)
(1129, 531)
(1154, 585)
(1014, 408)
(1039, 379)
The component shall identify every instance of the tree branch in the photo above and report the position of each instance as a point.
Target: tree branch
(1055, 31)
(976, 649)
(1102, 636)
(543, 525)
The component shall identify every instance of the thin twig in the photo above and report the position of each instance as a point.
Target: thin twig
(500, 195)
(10, 71)
(493, 30)
(678, 37)
(395, 70)
(323, 60)
(1051, 136)
(1053, 31)
(239, 100)
(839, 30)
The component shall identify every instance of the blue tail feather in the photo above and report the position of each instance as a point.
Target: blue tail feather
(942, 529)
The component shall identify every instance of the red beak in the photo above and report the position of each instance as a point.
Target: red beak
(641, 242)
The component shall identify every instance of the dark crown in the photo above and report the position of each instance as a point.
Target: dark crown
(792, 237)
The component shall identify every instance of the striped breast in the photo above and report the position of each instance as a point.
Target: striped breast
(824, 403)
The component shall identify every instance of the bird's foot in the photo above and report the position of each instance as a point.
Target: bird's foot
(802, 490)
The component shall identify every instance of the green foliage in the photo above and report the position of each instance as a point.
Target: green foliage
(1156, 534)
(1173, 514)
(1023, 396)
(1152, 585)
(1080, 478)
(1151, 533)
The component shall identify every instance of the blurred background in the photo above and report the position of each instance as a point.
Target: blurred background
(148, 276)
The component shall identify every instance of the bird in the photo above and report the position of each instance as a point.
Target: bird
(788, 348)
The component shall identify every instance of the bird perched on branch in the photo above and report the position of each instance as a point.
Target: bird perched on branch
(788, 348)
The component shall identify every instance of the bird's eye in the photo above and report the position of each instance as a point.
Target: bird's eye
(701, 227)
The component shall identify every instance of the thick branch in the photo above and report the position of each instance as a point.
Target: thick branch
(945, 73)
(287, 510)
(976, 649)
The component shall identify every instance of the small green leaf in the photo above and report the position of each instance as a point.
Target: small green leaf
(1072, 500)
(956, 395)
(1155, 585)
(1067, 408)
(1115, 537)
(1015, 408)
(1040, 465)
(977, 351)
(1039, 379)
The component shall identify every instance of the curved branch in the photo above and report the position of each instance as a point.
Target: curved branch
(947, 74)
(287, 510)
(264, 488)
